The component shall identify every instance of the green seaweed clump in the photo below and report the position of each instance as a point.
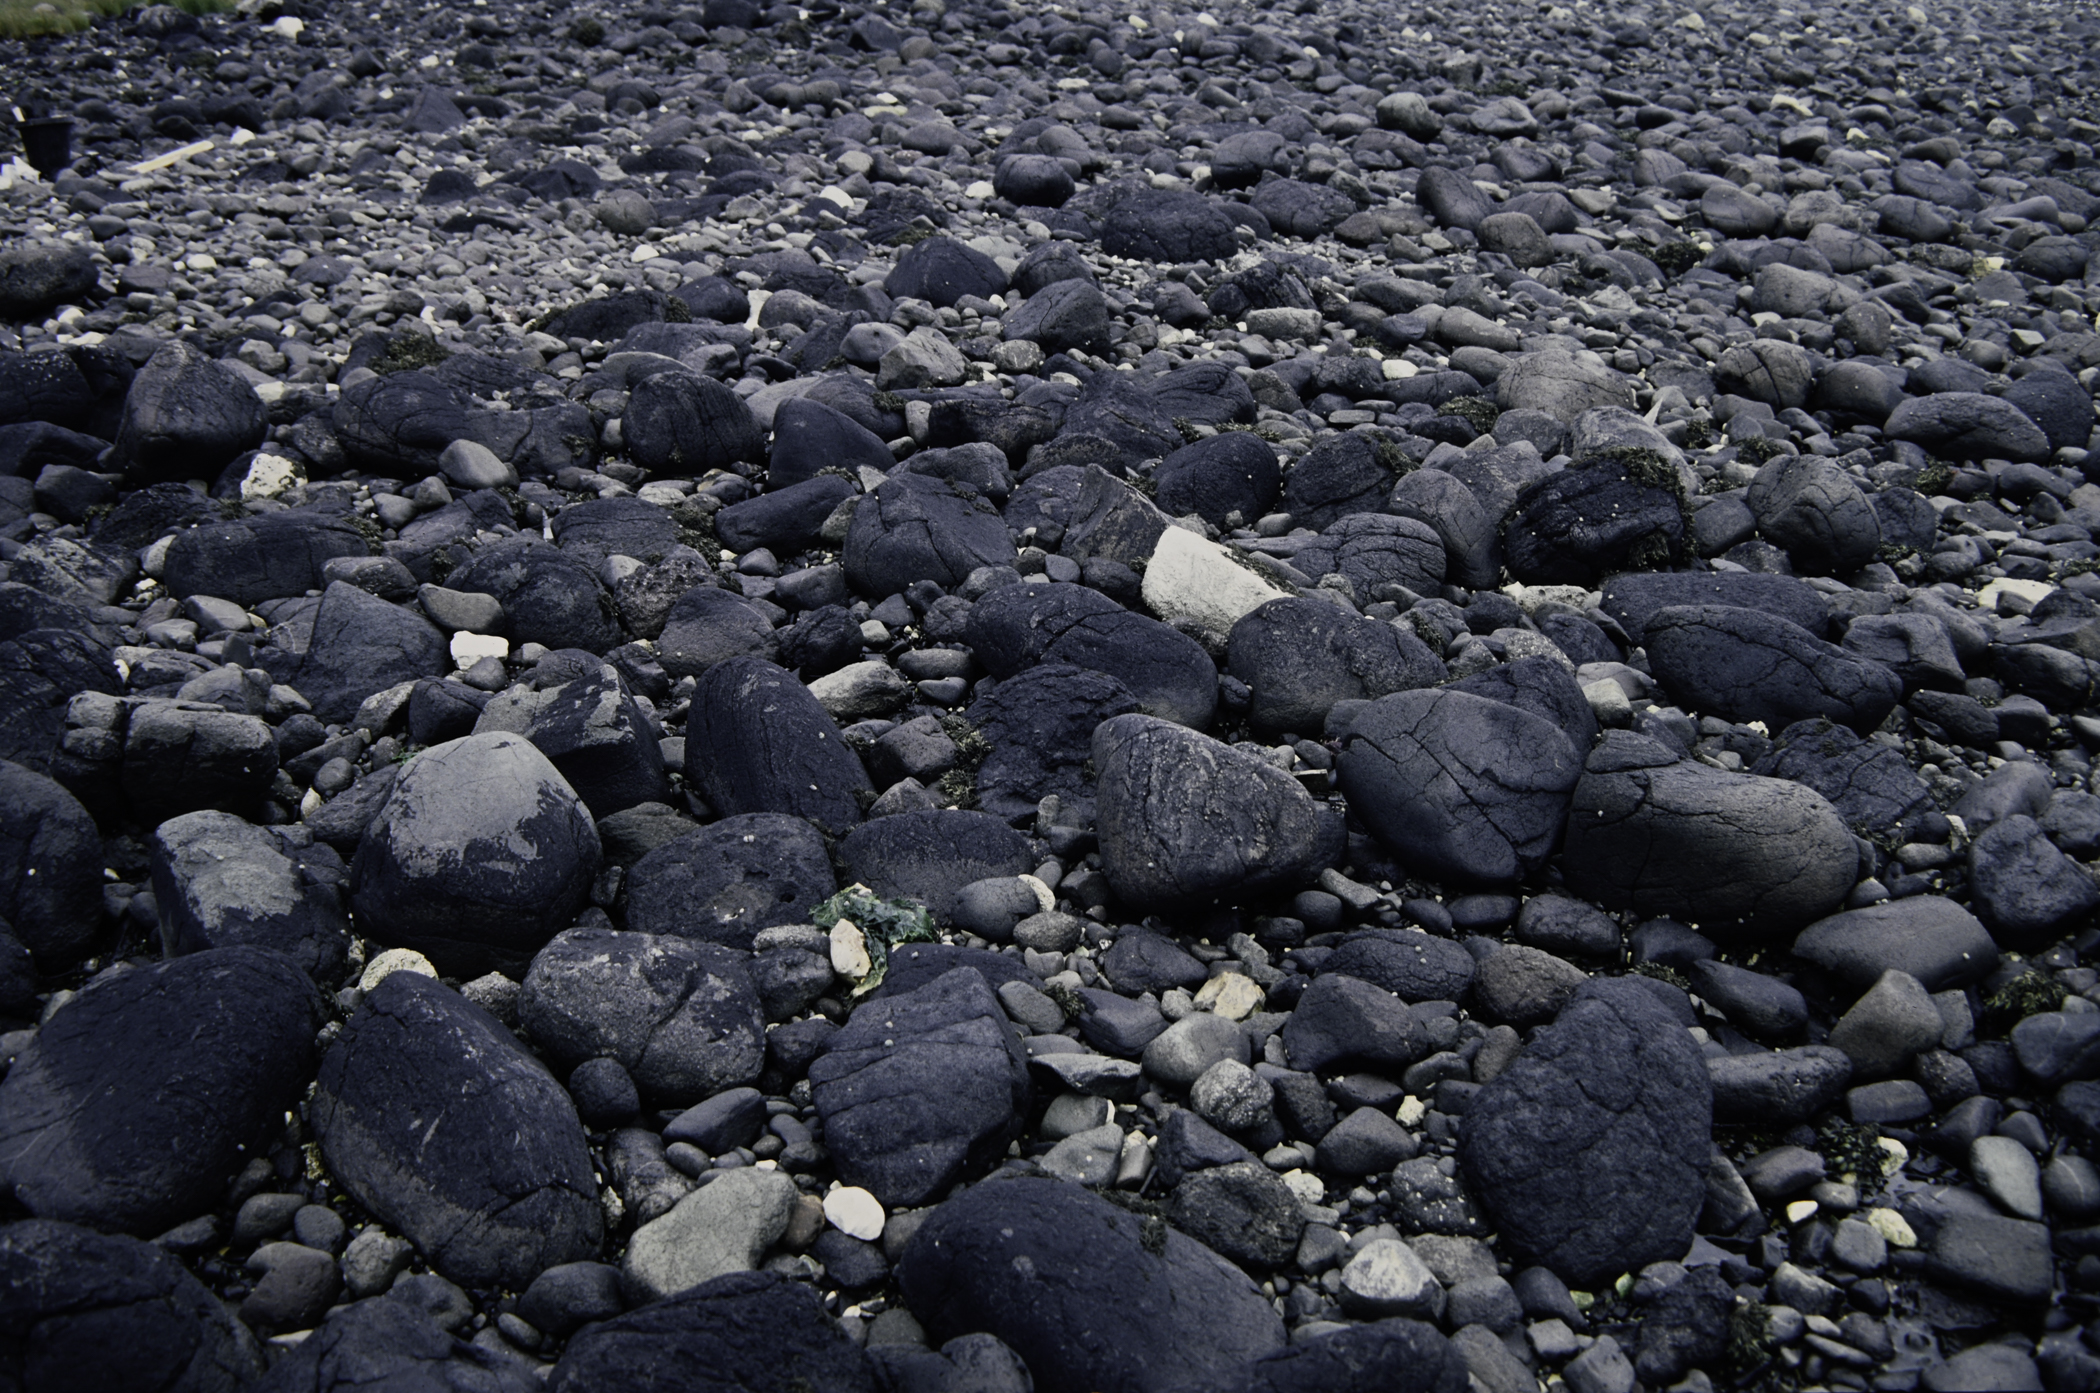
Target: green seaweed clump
(883, 925)
(1477, 412)
(2030, 994)
(407, 351)
(1675, 258)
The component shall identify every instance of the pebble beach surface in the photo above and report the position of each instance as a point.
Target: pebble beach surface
(962, 698)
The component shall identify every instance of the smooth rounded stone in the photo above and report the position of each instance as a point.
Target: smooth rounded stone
(2054, 1046)
(723, 1227)
(89, 1310)
(941, 270)
(1517, 236)
(604, 1093)
(1242, 1211)
(1744, 665)
(481, 854)
(50, 866)
(722, 1123)
(760, 743)
(1231, 1096)
(680, 1016)
(2053, 400)
(1387, 1356)
(1142, 961)
(269, 557)
(726, 881)
(1340, 1019)
(1930, 937)
(1300, 656)
(2009, 1174)
(1891, 1022)
(1061, 317)
(1458, 785)
(1916, 647)
(1452, 199)
(1561, 384)
(1859, 390)
(1524, 986)
(1670, 837)
(921, 1088)
(1591, 1149)
(2023, 887)
(1299, 209)
(931, 854)
(186, 414)
(1968, 426)
(1366, 1142)
(708, 626)
(2001, 1258)
(295, 1287)
(469, 464)
(1779, 374)
(1734, 212)
(924, 358)
(400, 425)
(447, 1130)
(135, 1103)
(742, 1330)
(394, 1342)
(1634, 598)
(1471, 541)
(784, 519)
(1087, 1157)
(1233, 471)
(1184, 819)
(1760, 1006)
(683, 425)
(1815, 511)
(1567, 927)
(1888, 1101)
(1040, 725)
(1781, 1088)
(454, 610)
(809, 436)
(38, 274)
(180, 756)
(1386, 1279)
(1093, 1297)
(218, 882)
(914, 527)
(569, 1295)
(2071, 1185)
(1988, 1366)
(1413, 965)
(1033, 181)
(362, 645)
(548, 596)
(1190, 1047)
(1168, 225)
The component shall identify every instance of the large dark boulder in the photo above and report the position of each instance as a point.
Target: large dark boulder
(398, 425)
(1342, 474)
(941, 270)
(758, 742)
(931, 854)
(1095, 1298)
(1230, 472)
(187, 416)
(597, 528)
(1387, 1356)
(707, 625)
(1590, 1150)
(1461, 786)
(1184, 819)
(724, 882)
(680, 424)
(41, 671)
(482, 853)
(360, 645)
(142, 1097)
(590, 729)
(390, 1342)
(915, 527)
(1167, 672)
(783, 519)
(1374, 549)
(1747, 665)
(270, 557)
(548, 596)
(1871, 785)
(1040, 726)
(448, 1131)
(1614, 511)
(680, 1016)
(809, 436)
(1636, 596)
(746, 1332)
(50, 866)
(1814, 510)
(219, 881)
(1170, 225)
(1677, 838)
(921, 1089)
(91, 1312)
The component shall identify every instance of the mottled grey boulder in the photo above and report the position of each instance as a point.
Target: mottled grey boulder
(1344, 1020)
(1171, 225)
(1184, 819)
(1967, 426)
(1779, 1088)
(1166, 671)
(482, 853)
(360, 645)
(1230, 472)
(1746, 665)
(187, 415)
(50, 866)
(930, 854)
(219, 881)
(1590, 1150)
(591, 731)
(443, 1126)
(680, 1016)
(1373, 549)
(1387, 1356)
(1609, 512)
(758, 742)
(1471, 539)
(1300, 656)
(724, 882)
(1458, 785)
(548, 596)
(1095, 1298)
(677, 423)
(914, 527)
(1928, 936)
(95, 1311)
(921, 1089)
(1413, 965)
(1872, 786)
(2027, 890)
(1725, 852)
(1814, 510)
(1062, 316)
(1040, 724)
(708, 625)
(1342, 474)
(1779, 374)
(142, 1097)
(183, 755)
(1561, 384)
(259, 558)
(399, 425)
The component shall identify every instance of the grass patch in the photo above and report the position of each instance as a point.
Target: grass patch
(31, 19)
